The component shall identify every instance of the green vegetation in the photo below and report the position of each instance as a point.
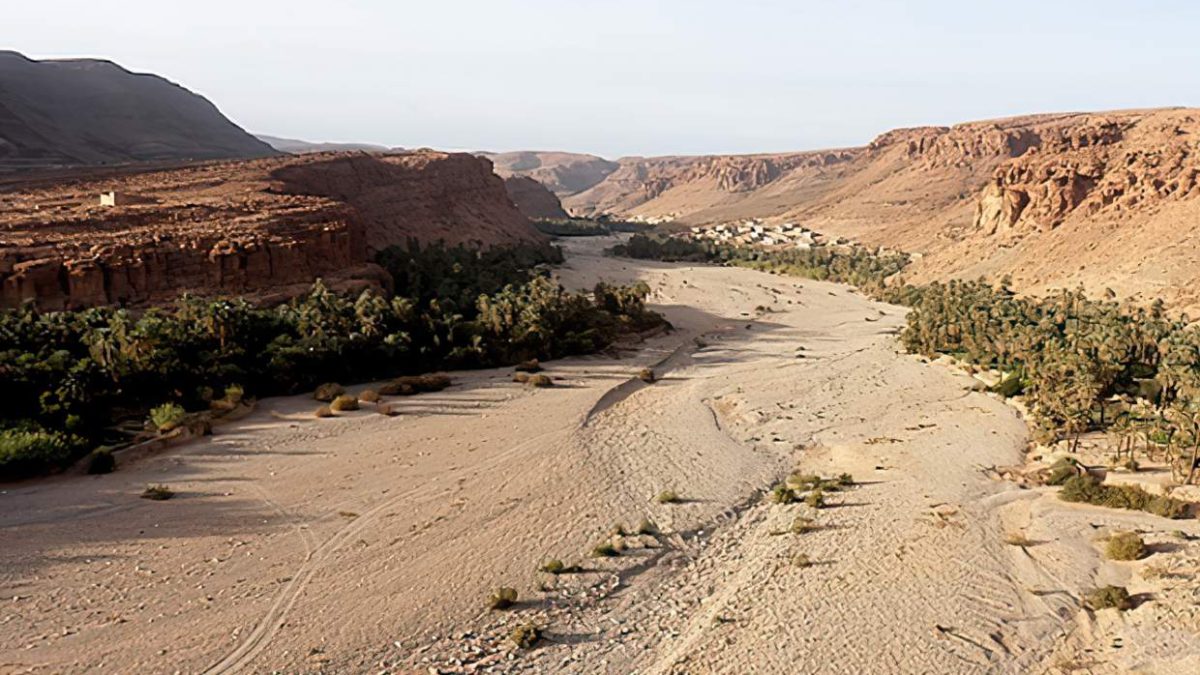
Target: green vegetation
(158, 493)
(328, 391)
(1125, 546)
(605, 550)
(646, 526)
(1108, 597)
(782, 494)
(570, 227)
(167, 416)
(647, 375)
(1089, 490)
(503, 598)
(667, 497)
(526, 635)
(102, 461)
(344, 403)
(72, 377)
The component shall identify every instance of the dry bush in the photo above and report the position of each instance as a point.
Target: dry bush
(522, 378)
(503, 598)
(158, 493)
(801, 560)
(605, 550)
(324, 411)
(526, 635)
(1108, 597)
(386, 409)
(647, 526)
(328, 391)
(782, 494)
(540, 380)
(344, 403)
(1089, 490)
(1125, 546)
(530, 366)
(415, 384)
(369, 396)
(815, 499)
(667, 497)
(647, 375)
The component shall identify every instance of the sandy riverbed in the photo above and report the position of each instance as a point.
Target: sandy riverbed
(370, 544)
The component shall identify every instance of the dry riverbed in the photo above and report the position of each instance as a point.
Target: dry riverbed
(369, 543)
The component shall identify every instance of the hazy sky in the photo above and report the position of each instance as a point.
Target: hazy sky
(620, 77)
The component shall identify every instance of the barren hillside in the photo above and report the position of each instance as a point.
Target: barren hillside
(86, 111)
(533, 199)
(563, 172)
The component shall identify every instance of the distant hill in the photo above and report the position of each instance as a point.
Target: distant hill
(565, 173)
(295, 146)
(533, 199)
(87, 112)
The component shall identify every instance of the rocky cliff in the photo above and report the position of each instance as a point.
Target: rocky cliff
(563, 173)
(85, 111)
(533, 199)
(264, 227)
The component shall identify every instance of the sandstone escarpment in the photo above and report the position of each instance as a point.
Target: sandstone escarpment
(532, 198)
(564, 173)
(251, 227)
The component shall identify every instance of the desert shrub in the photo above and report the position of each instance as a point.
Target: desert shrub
(327, 392)
(845, 480)
(801, 560)
(540, 380)
(158, 493)
(526, 635)
(1061, 470)
(1010, 386)
(502, 598)
(167, 416)
(647, 526)
(344, 403)
(1108, 597)
(1125, 546)
(667, 497)
(234, 393)
(815, 499)
(386, 409)
(529, 366)
(802, 525)
(522, 378)
(369, 396)
(1089, 490)
(324, 411)
(646, 375)
(605, 550)
(782, 494)
(555, 566)
(102, 461)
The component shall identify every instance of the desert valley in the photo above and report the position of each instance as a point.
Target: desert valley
(926, 405)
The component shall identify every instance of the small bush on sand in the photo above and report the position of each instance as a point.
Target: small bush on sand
(167, 417)
(846, 480)
(530, 366)
(801, 560)
(526, 636)
(1089, 490)
(647, 526)
(1125, 546)
(540, 380)
(328, 391)
(102, 461)
(605, 550)
(1061, 471)
(802, 525)
(415, 384)
(1108, 597)
(502, 598)
(324, 411)
(555, 566)
(647, 375)
(522, 378)
(815, 499)
(158, 493)
(667, 497)
(344, 402)
(782, 494)
(369, 396)
(234, 393)
(386, 409)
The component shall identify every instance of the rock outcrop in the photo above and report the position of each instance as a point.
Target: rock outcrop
(83, 111)
(564, 173)
(262, 227)
(533, 199)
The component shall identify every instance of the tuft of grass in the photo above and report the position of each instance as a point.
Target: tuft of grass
(667, 497)
(557, 567)
(815, 499)
(344, 403)
(1125, 546)
(526, 635)
(802, 560)
(386, 409)
(369, 396)
(102, 461)
(324, 411)
(522, 378)
(530, 366)
(502, 598)
(167, 417)
(540, 380)
(158, 493)
(802, 525)
(1108, 597)
(328, 391)
(647, 526)
(605, 550)
(1061, 471)
(647, 375)
(782, 494)
(846, 480)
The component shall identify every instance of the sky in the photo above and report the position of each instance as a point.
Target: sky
(625, 77)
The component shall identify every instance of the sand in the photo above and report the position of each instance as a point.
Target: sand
(368, 543)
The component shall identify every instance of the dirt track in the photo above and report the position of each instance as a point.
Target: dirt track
(368, 543)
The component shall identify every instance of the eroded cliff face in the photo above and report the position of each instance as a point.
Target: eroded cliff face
(533, 199)
(264, 227)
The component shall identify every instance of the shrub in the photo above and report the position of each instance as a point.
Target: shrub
(167, 416)
(324, 411)
(386, 409)
(344, 403)
(415, 384)
(1089, 490)
(327, 392)
(540, 380)
(646, 375)
(801, 560)
(605, 550)
(27, 451)
(802, 525)
(782, 494)
(522, 378)
(647, 526)
(526, 635)
(234, 393)
(158, 493)
(102, 461)
(845, 480)
(503, 598)
(1108, 597)
(369, 396)
(667, 497)
(530, 366)
(815, 499)
(1125, 546)
(555, 566)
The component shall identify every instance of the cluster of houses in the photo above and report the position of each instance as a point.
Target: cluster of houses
(756, 233)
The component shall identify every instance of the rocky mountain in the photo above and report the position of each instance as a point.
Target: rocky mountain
(86, 111)
(264, 227)
(295, 146)
(533, 199)
(564, 173)
(1106, 200)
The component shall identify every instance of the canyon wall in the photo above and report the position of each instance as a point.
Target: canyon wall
(264, 227)
(533, 199)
